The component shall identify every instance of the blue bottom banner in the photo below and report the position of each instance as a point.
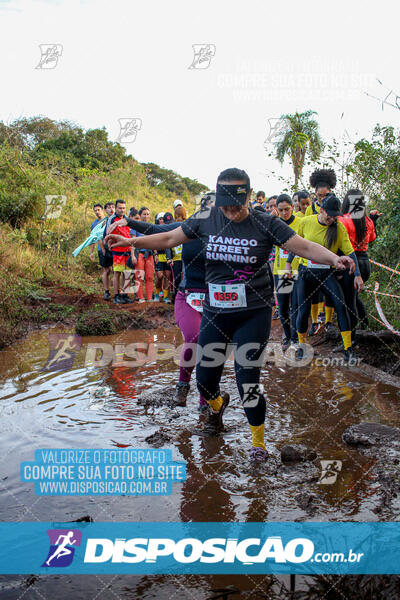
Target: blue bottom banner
(200, 548)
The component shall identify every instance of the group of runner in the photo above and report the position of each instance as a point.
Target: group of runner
(226, 295)
(160, 272)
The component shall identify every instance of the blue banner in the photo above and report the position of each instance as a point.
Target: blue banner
(203, 548)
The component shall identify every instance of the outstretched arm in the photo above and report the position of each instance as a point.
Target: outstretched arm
(159, 241)
(142, 227)
(317, 253)
(149, 228)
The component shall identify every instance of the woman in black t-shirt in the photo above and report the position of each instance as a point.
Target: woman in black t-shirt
(237, 307)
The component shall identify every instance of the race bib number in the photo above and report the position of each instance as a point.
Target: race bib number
(314, 265)
(227, 296)
(195, 300)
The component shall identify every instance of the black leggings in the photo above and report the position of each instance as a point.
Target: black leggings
(312, 280)
(346, 281)
(365, 270)
(287, 306)
(177, 271)
(240, 329)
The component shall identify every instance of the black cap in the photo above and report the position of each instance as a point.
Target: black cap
(331, 204)
(230, 194)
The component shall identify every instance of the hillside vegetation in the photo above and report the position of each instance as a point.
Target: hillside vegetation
(39, 158)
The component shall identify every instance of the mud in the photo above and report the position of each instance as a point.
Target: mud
(297, 453)
(309, 410)
(381, 443)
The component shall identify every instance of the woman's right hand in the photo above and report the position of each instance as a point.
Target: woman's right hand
(113, 240)
(121, 223)
(288, 269)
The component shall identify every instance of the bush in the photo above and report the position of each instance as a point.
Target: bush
(95, 322)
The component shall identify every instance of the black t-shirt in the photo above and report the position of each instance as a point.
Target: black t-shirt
(236, 255)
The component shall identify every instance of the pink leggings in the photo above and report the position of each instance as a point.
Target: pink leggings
(188, 321)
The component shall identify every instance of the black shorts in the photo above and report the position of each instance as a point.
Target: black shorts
(105, 260)
(162, 266)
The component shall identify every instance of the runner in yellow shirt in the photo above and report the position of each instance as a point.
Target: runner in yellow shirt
(304, 201)
(323, 181)
(286, 287)
(324, 229)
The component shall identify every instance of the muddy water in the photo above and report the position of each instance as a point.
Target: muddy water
(118, 406)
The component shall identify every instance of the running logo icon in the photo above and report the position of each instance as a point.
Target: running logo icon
(276, 128)
(203, 53)
(285, 284)
(128, 129)
(357, 206)
(62, 547)
(53, 206)
(329, 471)
(50, 53)
(63, 348)
(252, 394)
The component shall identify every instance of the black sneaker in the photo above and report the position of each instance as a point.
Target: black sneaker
(315, 327)
(126, 299)
(299, 353)
(350, 357)
(118, 299)
(285, 343)
(214, 423)
(339, 348)
(321, 317)
(329, 327)
(107, 295)
(181, 392)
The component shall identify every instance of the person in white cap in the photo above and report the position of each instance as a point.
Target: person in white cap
(177, 203)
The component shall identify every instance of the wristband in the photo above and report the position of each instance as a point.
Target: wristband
(290, 257)
(356, 270)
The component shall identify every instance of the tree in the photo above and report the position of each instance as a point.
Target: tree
(25, 133)
(376, 171)
(299, 138)
(170, 181)
(91, 149)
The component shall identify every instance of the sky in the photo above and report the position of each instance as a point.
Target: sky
(131, 60)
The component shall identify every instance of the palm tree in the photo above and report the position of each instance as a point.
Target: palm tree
(299, 138)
